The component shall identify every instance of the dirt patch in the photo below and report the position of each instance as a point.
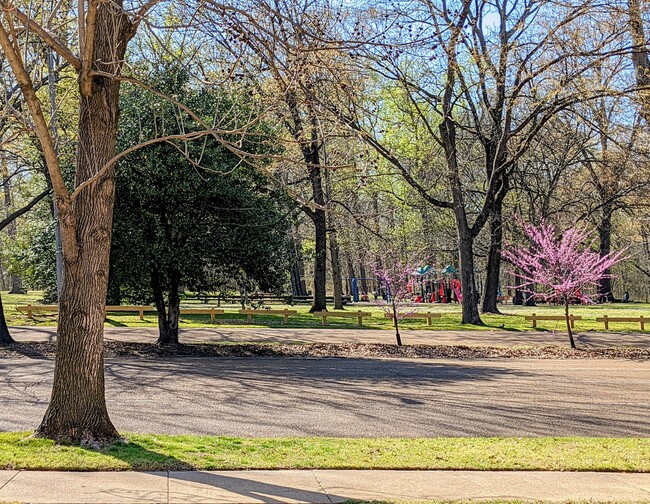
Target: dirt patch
(323, 350)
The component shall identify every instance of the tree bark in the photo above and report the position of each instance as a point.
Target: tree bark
(320, 262)
(398, 338)
(518, 298)
(167, 317)
(298, 287)
(468, 281)
(351, 274)
(5, 337)
(493, 274)
(77, 410)
(364, 278)
(337, 279)
(335, 259)
(568, 321)
(447, 129)
(640, 57)
(605, 236)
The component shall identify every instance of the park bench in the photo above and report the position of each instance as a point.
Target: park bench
(534, 318)
(31, 309)
(212, 311)
(605, 319)
(422, 315)
(504, 299)
(127, 308)
(249, 313)
(359, 315)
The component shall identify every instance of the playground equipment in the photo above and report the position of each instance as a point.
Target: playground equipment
(455, 286)
(427, 285)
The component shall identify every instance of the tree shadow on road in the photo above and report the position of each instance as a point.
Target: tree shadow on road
(336, 397)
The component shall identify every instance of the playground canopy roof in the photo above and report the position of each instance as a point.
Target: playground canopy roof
(424, 270)
(449, 270)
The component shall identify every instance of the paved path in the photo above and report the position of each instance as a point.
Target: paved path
(270, 397)
(336, 335)
(317, 486)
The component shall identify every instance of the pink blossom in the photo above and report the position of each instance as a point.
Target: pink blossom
(561, 264)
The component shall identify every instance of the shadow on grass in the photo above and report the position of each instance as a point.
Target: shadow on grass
(115, 323)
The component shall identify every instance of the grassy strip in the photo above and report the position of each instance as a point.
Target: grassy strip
(162, 452)
(512, 318)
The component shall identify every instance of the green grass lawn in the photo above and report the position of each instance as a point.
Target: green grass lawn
(512, 318)
(160, 452)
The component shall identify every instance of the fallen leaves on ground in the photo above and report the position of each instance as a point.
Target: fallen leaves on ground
(341, 350)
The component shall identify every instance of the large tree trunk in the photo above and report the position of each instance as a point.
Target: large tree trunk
(351, 274)
(5, 337)
(298, 287)
(335, 259)
(337, 279)
(640, 57)
(468, 282)
(311, 154)
(364, 277)
(167, 318)
(492, 278)
(320, 262)
(605, 235)
(77, 411)
(518, 298)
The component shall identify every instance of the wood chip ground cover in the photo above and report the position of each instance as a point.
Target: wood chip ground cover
(324, 350)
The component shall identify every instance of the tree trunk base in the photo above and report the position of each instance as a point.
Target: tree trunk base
(5, 337)
(102, 435)
(168, 337)
(473, 321)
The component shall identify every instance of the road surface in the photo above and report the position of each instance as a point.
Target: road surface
(352, 397)
(497, 338)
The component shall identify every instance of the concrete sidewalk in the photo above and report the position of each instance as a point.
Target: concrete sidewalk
(319, 486)
(496, 338)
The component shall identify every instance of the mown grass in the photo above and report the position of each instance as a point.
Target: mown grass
(161, 452)
(512, 318)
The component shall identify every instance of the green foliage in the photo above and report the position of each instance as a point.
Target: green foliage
(190, 210)
(32, 253)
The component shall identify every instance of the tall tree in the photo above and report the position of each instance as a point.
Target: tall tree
(640, 56)
(287, 60)
(481, 79)
(178, 223)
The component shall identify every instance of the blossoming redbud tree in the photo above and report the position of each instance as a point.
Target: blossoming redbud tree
(396, 301)
(562, 264)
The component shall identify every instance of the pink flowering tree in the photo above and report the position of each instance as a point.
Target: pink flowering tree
(561, 264)
(395, 298)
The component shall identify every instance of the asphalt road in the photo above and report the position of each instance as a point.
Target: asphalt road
(353, 397)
